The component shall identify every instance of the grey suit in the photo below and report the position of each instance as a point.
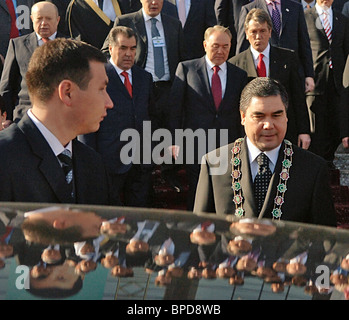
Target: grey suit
(30, 172)
(13, 86)
(308, 197)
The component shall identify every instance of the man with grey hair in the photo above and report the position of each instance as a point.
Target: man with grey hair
(205, 96)
(263, 175)
(262, 59)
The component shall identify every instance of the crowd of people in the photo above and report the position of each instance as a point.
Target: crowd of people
(78, 74)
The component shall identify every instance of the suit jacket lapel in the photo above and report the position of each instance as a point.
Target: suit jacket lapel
(48, 164)
(140, 26)
(202, 72)
(249, 65)
(31, 42)
(285, 12)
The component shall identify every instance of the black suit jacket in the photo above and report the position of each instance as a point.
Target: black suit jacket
(173, 37)
(322, 50)
(192, 105)
(308, 197)
(128, 113)
(294, 33)
(283, 67)
(30, 172)
(200, 16)
(13, 86)
(90, 24)
(228, 13)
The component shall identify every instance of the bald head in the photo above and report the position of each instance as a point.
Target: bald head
(45, 18)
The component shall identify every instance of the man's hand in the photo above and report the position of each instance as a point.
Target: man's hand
(304, 141)
(309, 84)
(345, 142)
(174, 151)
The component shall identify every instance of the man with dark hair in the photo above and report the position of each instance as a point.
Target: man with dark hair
(131, 90)
(41, 161)
(264, 175)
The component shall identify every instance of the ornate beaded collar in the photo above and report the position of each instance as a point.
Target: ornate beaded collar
(281, 188)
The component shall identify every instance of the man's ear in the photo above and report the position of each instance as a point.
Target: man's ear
(59, 224)
(243, 118)
(65, 90)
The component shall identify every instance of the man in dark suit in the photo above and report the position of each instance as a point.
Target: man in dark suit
(162, 65)
(13, 86)
(41, 161)
(194, 104)
(329, 38)
(131, 109)
(92, 20)
(8, 28)
(234, 181)
(197, 16)
(290, 33)
(228, 13)
(344, 111)
(280, 64)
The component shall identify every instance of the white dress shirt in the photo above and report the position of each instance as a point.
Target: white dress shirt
(40, 42)
(253, 153)
(320, 10)
(222, 73)
(266, 57)
(149, 66)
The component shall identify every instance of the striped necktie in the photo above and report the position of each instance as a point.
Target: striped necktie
(67, 165)
(328, 31)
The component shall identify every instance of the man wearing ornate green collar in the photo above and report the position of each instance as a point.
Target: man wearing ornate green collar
(295, 182)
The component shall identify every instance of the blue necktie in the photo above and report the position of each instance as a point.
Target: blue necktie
(275, 17)
(158, 54)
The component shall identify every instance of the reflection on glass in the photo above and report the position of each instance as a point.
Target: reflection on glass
(131, 254)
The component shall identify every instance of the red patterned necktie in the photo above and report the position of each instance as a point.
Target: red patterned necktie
(14, 30)
(127, 83)
(216, 87)
(261, 70)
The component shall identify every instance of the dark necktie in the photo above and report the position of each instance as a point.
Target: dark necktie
(261, 182)
(127, 83)
(158, 54)
(275, 17)
(261, 70)
(67, 165)
(216, 87)
(14, 30)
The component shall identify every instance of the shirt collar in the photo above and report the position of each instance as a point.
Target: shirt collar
(271, 2)
(51, 139)
(255, 53)
(210, 64)
(253, 152)
(51, 37)
(118, 70)
(147, 17)
(320, 10)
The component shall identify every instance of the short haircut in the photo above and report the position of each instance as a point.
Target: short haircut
(58, 60)
(217, 28)
(260, 16)
(262, 87)
(50, 1)
(42, 232)
(115, 31)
